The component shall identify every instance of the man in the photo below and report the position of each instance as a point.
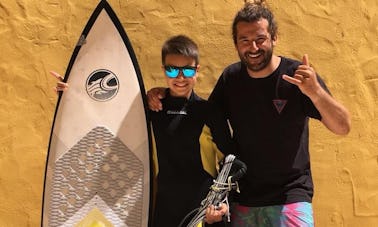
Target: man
(268, 100)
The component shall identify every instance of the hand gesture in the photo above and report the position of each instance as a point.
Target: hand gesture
(305, 78)
(334, 115)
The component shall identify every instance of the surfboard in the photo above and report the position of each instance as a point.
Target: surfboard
(98, 166)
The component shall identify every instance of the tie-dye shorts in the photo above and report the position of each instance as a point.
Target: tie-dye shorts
(288, 215)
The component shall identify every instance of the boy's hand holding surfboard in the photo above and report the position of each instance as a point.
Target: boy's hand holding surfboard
(60, 85)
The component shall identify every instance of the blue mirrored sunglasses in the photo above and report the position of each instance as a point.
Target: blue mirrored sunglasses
(174, 71)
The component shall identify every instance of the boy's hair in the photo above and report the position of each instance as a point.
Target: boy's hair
(254, 11)
(181, 45)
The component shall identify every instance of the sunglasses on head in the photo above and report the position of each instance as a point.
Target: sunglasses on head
(174, 71)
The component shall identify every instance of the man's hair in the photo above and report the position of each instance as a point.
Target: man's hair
(181, 45)
(254, 11)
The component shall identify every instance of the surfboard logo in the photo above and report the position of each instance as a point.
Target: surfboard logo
(102, 85)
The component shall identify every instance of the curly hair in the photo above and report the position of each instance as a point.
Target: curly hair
(252, 11)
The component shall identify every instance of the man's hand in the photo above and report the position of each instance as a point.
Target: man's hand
(153, 98)
(60, 85)
(305, 78)
(334, 115)
(215, 214)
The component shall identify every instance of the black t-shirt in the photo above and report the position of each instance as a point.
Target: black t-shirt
(269, 117)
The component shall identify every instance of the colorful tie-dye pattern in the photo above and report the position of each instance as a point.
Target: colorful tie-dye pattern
(289, 215)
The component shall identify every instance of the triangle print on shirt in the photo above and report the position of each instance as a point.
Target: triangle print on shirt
(279, 104)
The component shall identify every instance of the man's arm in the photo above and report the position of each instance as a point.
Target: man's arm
(153, 98)
(334, 115)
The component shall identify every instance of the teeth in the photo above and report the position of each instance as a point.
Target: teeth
(253, 55)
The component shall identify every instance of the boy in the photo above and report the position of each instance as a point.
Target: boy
(185, 167)
(185, 158)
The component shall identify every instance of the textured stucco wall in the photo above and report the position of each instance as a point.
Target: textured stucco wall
(340, 37)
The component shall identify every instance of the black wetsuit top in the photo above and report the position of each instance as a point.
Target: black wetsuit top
(269, 117)
(182, 180)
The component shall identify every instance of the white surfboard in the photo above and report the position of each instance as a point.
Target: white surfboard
(98, 166)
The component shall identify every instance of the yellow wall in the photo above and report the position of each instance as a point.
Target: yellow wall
(340, 37)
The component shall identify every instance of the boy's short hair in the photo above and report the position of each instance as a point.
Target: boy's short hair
(254, 11)
(181, 45)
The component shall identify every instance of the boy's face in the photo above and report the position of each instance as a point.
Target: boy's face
(181, 86)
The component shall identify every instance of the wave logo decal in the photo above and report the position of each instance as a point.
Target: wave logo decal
(102, 85)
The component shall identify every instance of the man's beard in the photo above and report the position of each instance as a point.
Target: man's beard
(267, 56)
